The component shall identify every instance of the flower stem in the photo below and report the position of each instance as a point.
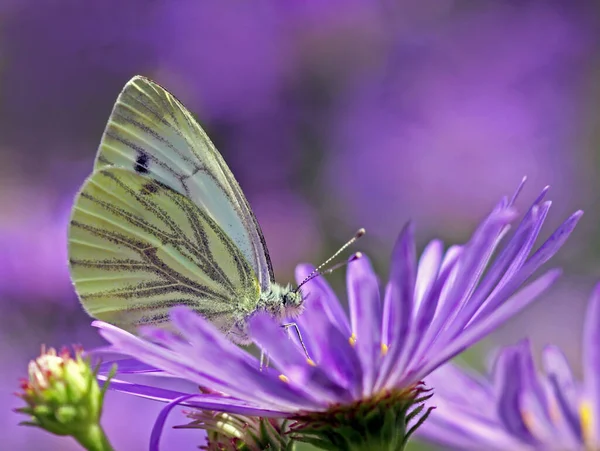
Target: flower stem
(94, 439)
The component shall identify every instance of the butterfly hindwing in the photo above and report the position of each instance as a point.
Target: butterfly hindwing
(152, 133)
(138, 247)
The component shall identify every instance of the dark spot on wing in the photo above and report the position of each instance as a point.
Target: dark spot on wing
(149, 188)
(141, 163)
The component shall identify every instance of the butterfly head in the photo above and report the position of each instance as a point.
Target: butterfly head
(292, 300)
(293, 303)
(282, 302)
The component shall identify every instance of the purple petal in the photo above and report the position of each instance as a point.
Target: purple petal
(319, 288)
(511, 388)
(556, 366)
(565, 414)
(365, 313)
(344, 362)
(538, 199)
(424, 320)
(477, 254)
(463, 387)
(454, 430)
(541, 256)
(313, 381)
(477, 331)
(451, 258)
(519, 189)
(537, 422)
(427, 292)
(226, 362)
(591, 362)
(316, 319)
(464, 417)
(511, 258)
(198, 331)
(162, 418)
(219, 370)
(429, 266)
(399, 297)
(144, 391)
(202, 401)
(328, 346)
(270, 337)
(421, 334)
(181, 360)
(149, 353)
(554, 243)
(562, 408)
(448, 271)
(539, 401)
(530, 379)
(470, 266)
(128, 366)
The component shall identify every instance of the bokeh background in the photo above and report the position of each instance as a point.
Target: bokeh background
(332, 115)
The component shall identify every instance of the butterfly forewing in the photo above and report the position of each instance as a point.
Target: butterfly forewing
(138, 247)
(152, 133)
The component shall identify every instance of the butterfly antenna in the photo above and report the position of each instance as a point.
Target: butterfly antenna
(339, 265)
(317, 271)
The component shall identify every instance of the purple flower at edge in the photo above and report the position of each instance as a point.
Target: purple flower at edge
(517, 407)
(430, 310)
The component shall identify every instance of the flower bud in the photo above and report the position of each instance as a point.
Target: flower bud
(63, 397)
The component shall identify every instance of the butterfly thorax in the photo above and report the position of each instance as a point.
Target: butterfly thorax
(281, 302)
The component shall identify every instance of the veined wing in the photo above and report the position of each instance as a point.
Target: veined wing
(138, 248)
(151, 132)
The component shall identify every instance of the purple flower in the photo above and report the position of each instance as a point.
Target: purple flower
(517, 407)
(431, 309)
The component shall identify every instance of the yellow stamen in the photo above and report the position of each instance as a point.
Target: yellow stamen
(311, 362)
(352, 340)
(585, 417)
(384, 349)
(283, 378)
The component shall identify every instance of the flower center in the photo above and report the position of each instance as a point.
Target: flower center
(384, 421)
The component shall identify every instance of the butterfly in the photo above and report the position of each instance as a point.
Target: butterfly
(161, 221)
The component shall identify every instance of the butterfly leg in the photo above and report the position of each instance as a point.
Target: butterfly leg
(264, 359)
(287, 327)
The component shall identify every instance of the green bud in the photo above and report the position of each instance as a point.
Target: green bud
(63, 397)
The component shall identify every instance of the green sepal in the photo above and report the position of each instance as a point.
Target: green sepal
(380, 423)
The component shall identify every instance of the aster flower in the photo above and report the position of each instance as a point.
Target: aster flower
(516, 407)
(361, 387)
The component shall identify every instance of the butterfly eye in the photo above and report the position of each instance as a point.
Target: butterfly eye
(288, 298)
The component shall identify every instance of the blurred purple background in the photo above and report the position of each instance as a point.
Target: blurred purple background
(332, 115)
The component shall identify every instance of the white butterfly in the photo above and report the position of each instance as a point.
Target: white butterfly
(163, 222)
